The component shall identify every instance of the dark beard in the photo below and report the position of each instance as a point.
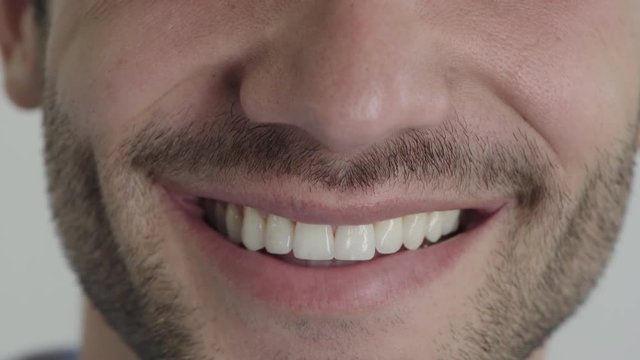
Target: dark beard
(532, 293)
(104, 271)
(539, 282)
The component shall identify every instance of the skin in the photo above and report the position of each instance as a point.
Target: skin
(546, 95)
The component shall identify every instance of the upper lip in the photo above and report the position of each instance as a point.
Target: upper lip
(306, 206)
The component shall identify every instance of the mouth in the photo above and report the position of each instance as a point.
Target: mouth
(290, 260)
(327, 245)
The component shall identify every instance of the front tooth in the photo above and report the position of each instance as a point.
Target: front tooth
(413, 230)
(279, 235)
(355, 242)
(451, 221)
(233, 219)
(313, 242)
(433, 230)
(252, 229)
(389, 236)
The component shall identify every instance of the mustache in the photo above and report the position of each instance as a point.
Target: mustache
(448, 157)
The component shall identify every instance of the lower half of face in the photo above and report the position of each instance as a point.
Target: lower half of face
(185, 274)
(207, 231)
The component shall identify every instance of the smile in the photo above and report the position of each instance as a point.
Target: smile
(288, 258)
(331, 245)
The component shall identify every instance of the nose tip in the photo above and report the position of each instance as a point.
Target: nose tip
(348, 116)
(349, 79)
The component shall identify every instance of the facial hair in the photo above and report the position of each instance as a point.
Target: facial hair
(546, 265)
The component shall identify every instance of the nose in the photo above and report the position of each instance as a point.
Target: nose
(350, 74)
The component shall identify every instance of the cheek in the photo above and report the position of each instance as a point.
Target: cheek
(112, 73)
(577, 83)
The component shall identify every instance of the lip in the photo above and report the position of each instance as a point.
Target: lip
(325, 291)
(314, 208)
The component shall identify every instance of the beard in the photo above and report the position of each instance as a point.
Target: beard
(558, 242)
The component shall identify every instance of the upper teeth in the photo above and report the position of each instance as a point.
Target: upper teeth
(278, 235)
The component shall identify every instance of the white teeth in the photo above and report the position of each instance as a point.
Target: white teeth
(433, 229)
(388, 236)
(355, 242)
(279, 235)
(413, 230)
(451, 221)
(233, 219)
(252, 229)
(316, 242)
(313, 242)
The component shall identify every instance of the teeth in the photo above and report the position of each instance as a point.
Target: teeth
(451, 221)
(433, 229)
(279, 237)
(388, 236)
(413, 229)
(355, 242)
(313, 242)
(252, 229)
(233, 220)
(316, 243)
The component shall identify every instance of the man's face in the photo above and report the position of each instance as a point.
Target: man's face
(168, 122)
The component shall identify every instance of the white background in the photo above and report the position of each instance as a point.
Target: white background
(40, 301)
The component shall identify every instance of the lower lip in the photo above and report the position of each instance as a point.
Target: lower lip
(328, 290)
